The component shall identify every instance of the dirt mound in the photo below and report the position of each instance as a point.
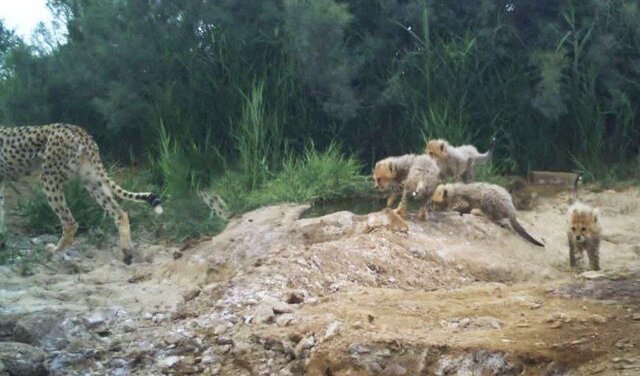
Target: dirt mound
(342, 294)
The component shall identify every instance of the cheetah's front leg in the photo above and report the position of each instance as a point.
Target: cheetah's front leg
(55, 196)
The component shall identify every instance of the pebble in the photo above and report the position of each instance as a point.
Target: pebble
(169, 361)
(333, 329)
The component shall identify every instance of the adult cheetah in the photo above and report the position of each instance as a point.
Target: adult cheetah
(62, 152)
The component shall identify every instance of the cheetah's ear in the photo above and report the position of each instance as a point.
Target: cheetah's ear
(445, 194)
(442, 147)
(391, 167)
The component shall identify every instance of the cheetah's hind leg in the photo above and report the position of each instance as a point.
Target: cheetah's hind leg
(102, 194)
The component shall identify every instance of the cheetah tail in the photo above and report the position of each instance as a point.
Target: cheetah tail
(486, 157)
(576, 182)
(148, 197)
(523, 232)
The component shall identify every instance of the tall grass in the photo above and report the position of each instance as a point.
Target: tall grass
(258, 138)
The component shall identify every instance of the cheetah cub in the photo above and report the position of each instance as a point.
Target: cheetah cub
(584, 232)
(62, 152)
(459, 163)
(408, 175)
(494, 202)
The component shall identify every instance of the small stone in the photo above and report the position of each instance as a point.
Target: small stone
(241, 348)
(295, 297)
(295, 337)
(222, 340)
(357, 325)
(173, 338)
(598, 319)
(278, 306)
(190, 294)
(357, 349)
(264, 314)
(333, 329)
(556, 325)
(635, 316)
(624, 343)
(95, 319)
(118, 363)
(395, 370)
(284, 320)
(168, 362)
(592, 274)
(304, 344)
(220, 329)
(208, 356)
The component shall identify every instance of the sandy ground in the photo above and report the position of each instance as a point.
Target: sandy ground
(352, 295)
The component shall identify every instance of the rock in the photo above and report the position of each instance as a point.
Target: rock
(333, 329)
(284, 320)
(190, 294)
(295, 297)
(168, 362)
(598, 319)
(264, 314)
(7, 325)
(41, 329)
(224, 341)
(220, 329)
(173, 338)
(635, 316)
(357, 349)
(118, 363)
(592, 274)
(95, 319)
(395, 370)
(20, 359)
(209, 356)
(624, 343)
(241, 348)
(277, 306)
(304, 344)
(64, 362)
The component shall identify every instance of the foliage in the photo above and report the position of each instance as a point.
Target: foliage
(239, 85)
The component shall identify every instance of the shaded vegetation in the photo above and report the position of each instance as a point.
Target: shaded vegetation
(250, 97)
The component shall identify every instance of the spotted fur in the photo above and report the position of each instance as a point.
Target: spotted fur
(62, 152)
(493, 200)
(215, 203)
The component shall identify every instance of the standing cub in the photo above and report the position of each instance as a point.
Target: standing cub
(406, 175)
(584, 232)
(460, 162)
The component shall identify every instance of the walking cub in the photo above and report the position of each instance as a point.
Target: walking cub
(494, 202)
(584, 232)
(407, 175)
(459, 163)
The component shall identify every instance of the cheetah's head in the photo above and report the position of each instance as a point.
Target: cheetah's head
(583, 221)
(384, 174)
(437, 148)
